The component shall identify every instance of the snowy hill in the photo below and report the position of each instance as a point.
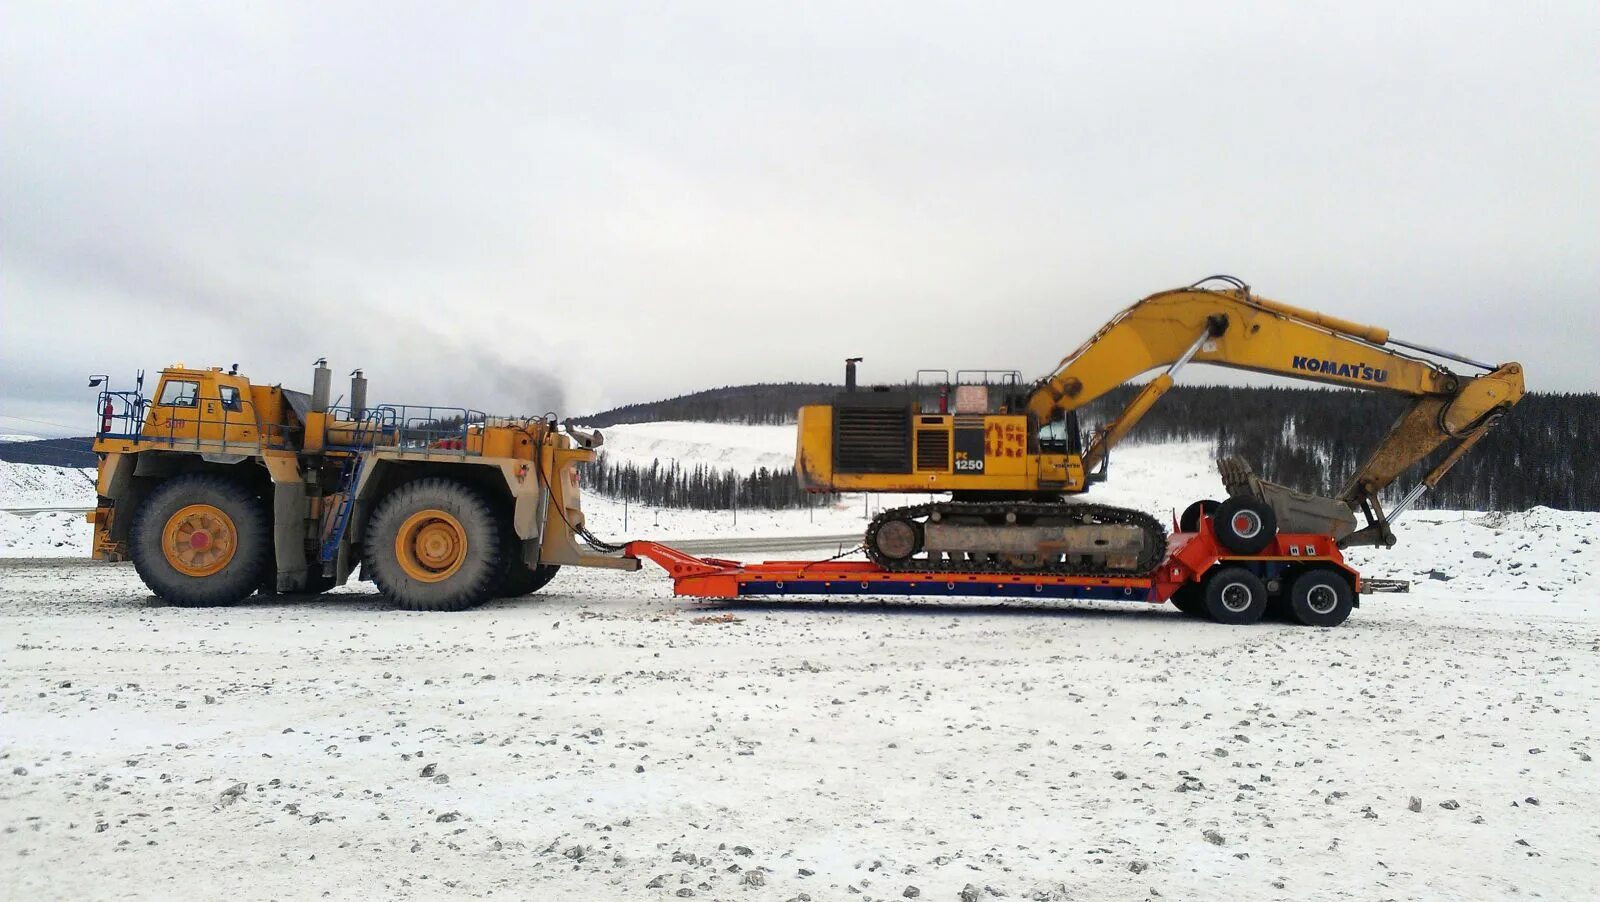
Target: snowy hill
(723, 445)
(37, 485)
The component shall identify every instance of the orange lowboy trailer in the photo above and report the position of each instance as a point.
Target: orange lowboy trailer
(1195, 575)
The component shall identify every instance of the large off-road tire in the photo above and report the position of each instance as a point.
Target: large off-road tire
(520, 579)
(435, 545)
(201, 540)
(1244, 525)
(1189, 520)
(1321, 598)
(1235, 596)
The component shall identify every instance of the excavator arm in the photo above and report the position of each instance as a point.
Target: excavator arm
(1233, 328)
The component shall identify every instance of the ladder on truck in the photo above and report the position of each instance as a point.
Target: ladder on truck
(349, 478)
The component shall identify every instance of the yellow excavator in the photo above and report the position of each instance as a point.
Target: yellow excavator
(1010, 455)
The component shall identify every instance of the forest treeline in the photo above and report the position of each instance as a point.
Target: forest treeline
(708, 488)
(761, 404)
(1310, 439)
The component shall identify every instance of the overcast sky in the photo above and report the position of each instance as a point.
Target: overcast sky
(519, 206)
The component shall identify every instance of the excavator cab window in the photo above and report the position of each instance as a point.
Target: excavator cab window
(1061, 436)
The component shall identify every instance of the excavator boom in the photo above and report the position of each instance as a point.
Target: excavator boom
(1233, 328)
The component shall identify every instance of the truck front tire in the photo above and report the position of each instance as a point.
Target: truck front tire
(201, 540)
(435, 545)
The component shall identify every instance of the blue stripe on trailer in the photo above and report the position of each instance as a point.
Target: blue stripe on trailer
(935, 587)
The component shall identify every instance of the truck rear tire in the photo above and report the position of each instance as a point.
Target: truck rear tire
(1244, 525)
(435, 545)
(201, 540)
(1235, 596)
(1321, 598)
(524, 580)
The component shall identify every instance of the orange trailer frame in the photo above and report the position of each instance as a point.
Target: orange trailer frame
(1190, 556)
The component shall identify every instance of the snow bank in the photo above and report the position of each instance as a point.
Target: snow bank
(38, 485)
(1468, 555)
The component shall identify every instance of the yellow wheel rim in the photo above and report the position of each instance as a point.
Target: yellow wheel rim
(430, 545)
(199, 540)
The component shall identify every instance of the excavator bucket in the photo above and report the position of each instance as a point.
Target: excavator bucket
(1296, 511)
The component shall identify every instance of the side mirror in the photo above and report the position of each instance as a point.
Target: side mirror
(95, 381)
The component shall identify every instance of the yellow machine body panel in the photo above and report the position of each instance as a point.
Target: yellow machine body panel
(951, 452)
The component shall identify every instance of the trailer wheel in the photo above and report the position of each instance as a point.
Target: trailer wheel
(1190, 599)
(521, 579)
(1235, 596)
(434, 545)
(200, 540)
(1189, 520)
(1321, 598)
(1245, 525)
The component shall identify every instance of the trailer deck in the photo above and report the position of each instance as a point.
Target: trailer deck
(1190, 557)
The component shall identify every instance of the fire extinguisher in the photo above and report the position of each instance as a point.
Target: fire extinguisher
(105, 418)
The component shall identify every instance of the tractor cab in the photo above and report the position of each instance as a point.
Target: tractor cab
(194, 407)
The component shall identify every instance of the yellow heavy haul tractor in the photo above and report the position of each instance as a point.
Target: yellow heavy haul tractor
(216, 487)
(1010, 454)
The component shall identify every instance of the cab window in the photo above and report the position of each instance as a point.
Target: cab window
(1061, 436)
(179, 394)
(230, 397)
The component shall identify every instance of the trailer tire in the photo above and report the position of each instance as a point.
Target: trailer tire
(201, 540)
(1235, 596)
(1244, 525)
(1189, 520)
(522, 580)
(1321, 598)
(1189, 599)
(435, 545)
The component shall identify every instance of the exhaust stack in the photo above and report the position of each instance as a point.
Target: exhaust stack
(358, 395)
(321, 386)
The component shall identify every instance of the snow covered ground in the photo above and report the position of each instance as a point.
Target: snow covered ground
(603, 740)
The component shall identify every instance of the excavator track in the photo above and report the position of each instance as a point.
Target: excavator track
(1065, 514)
